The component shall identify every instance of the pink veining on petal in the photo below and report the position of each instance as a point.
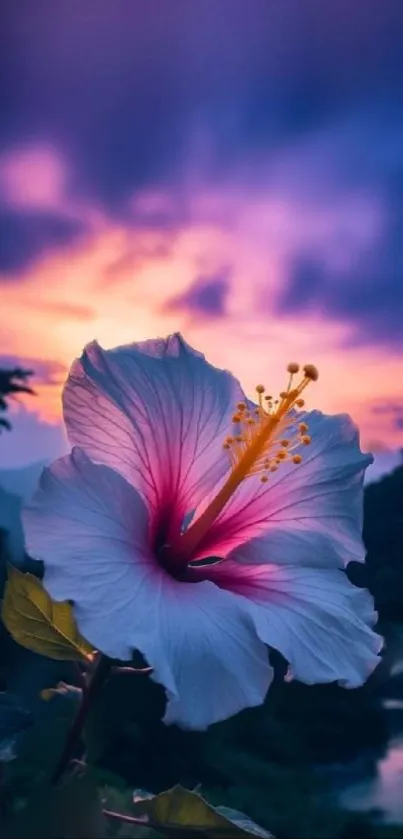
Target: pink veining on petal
(156, 412)
(240, 579)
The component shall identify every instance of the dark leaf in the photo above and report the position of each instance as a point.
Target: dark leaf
(70, 811)
(40, 749)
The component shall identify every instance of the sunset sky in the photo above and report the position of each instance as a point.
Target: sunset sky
(232, 169)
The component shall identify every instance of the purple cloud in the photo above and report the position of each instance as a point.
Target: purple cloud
(367, 296)
(24, 236)
(125, 88)
(206, 297)
(392, 410)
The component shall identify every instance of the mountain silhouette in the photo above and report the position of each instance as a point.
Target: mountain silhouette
(23, 481)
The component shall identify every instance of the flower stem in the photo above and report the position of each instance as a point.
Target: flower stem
(80, 676)
(97, 678)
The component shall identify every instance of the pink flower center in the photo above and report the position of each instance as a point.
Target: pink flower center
(262, 440)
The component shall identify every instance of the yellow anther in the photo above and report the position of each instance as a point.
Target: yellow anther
(229, 439)
(282, 455)
(226, 446)
(293, 367)
(239, 438)
(306, 439)
(311, 372)
(296, 458)
(250, 421)
(268, 398)
(236, 418)
(300, 403)
(241, 406)
(284, 443)
(273, 468)
(264, 479)
(260, 388)
(303, 427)
(283, 394)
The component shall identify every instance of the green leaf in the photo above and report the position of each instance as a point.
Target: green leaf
(180, 808)
(35, 621)
(72, 811)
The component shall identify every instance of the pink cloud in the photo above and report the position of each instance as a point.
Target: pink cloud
(37, 178)
(33, 177)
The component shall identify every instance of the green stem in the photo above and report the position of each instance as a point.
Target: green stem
(97, 678)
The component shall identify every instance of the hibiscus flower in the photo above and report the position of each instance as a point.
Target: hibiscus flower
(200, 529)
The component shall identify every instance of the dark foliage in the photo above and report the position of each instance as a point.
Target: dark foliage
(12, 383)
(383, 537)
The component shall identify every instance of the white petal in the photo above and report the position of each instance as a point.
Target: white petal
(201, 642)
(205, 646)
(90, 527)
(157, 412)
(317, 619)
